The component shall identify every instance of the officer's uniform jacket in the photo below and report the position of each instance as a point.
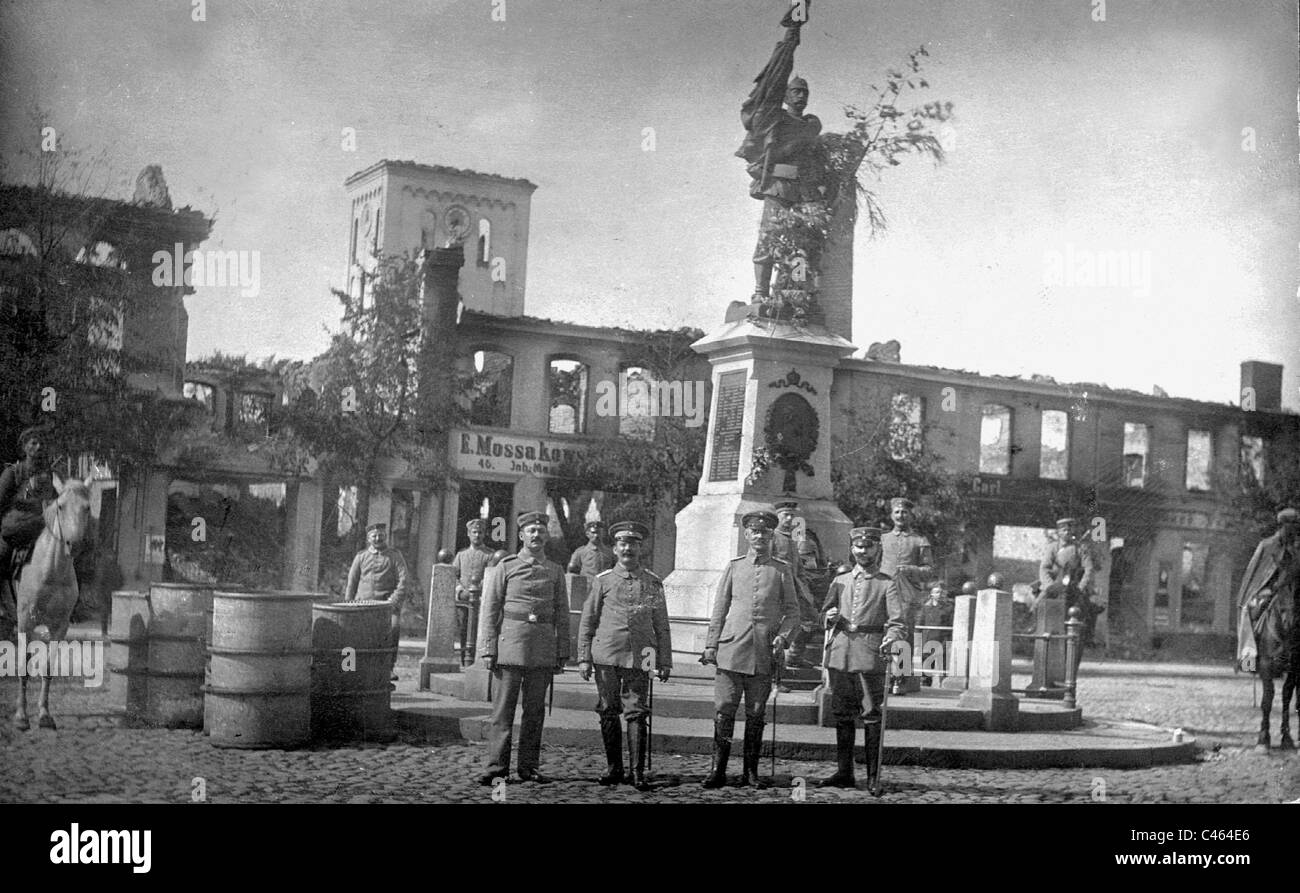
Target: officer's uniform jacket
(871, 605)
(898, 549)
(1061, 559)
(625, 614)
(378, 574)
(525, 612)
(756, 601)
(470, 563)
(591, 560)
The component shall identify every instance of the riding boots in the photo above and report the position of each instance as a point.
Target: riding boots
(611, 732)
(753, 747)
(723, 726)
(843, 777)
(637, 736)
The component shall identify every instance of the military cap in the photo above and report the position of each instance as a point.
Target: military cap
(758, 521)
(1061, 522)
(796, 82)
(598, 525)
(633, 530)
(1288, 516)
(786, 504)
(33, 431)
(475, 522)
(376, 526)
(903, 501)
(864, 533)
(526, 518)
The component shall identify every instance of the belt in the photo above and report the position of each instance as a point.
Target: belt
(526, 617)
(862, 628)
(786, 171)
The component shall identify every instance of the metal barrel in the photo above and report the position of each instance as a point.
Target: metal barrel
(157, 645)
(260, 690)
(352, 658)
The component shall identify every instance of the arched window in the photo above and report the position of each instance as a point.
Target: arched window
(483, 256)
(1054, 445)
(995, 439)
(567, 385)
(490, 386)
(638, 403)
(1137, 447)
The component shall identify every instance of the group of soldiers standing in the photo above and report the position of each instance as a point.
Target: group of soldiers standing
(763, 618)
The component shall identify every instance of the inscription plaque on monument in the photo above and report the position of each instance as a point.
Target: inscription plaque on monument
(725, 464)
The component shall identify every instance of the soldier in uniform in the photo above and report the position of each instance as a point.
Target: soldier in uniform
(379, 573)
(756, 606)
(593, 558)
(864, 617)
(525, 639)
(906, 556)
(470, 563)
(1066, 571)
(786, 548)
(25, 488)
(625, 615)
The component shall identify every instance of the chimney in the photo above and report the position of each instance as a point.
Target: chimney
(1264, 381)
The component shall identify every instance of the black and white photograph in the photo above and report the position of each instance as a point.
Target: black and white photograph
(755, 402)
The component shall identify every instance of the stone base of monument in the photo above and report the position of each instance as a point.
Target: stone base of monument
(1001, 712)
(930, 729)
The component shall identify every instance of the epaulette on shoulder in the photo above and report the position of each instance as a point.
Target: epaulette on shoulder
(652, 575)
(511, 557)
(780, 561)
(738, 557)
(604, 573)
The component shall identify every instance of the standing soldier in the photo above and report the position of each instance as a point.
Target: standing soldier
(906, 556)
(1066, 571)
(470, 563)
(379, 573)
(525, 637)
(626, 616)
(593, 558)
(864, 617)
(786, 548)
(753, 612)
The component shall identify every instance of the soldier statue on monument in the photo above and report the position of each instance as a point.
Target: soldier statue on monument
(785, 155)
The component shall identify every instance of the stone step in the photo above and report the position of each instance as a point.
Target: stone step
(931, 709)
(1099, 743)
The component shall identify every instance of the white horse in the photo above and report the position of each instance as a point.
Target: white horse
(47, 591)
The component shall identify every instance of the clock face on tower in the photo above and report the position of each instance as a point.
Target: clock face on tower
(458, 223)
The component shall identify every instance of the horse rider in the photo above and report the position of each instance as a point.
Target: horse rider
(624, 617)
(25, 488)
(1273, 573)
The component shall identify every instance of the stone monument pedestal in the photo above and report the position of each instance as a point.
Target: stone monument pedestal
(963, 629)
(1049, 654)
(769, 438)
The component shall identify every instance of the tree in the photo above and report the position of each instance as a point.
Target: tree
(874, 462)
(74, 277)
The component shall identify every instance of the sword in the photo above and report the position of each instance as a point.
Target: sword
(878, 788)
(776, 695)
(650, 726)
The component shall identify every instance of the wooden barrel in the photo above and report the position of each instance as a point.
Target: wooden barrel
(157, 650)
(351, 664)
(260, 693)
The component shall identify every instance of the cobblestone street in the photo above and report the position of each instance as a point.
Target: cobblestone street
(90, 759)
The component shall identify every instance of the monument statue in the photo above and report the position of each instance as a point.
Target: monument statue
(788, 165)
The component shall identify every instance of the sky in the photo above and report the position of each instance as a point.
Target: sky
(1163, 130)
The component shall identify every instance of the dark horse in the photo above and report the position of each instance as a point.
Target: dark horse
(1267, 635)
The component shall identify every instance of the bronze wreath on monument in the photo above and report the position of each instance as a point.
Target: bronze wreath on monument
(789, 440)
